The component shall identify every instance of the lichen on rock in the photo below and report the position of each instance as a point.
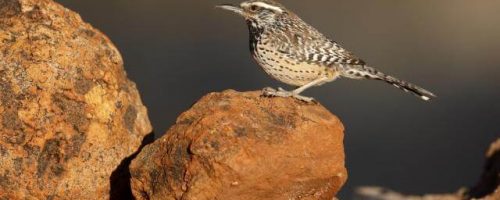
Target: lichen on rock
(234, 145)
(68, 113)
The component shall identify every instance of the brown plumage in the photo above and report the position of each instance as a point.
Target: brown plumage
(293, 52)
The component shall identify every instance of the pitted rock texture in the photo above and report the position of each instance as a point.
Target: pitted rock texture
(68, 113)
(234, 145)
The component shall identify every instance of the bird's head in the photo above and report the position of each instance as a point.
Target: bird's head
(258, 12)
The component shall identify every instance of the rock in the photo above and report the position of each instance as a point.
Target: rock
(68, 113)
(489, 184)
(378, 193)
(234, 145)
(493, 196)
(488, 187)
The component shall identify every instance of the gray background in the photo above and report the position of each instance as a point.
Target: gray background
(177, 51)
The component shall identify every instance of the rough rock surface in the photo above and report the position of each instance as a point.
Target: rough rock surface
(68, 113)
(234, 145)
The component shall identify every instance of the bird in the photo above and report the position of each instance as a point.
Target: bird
(297, 54)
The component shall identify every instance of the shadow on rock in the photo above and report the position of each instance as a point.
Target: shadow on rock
(490, 179)
(120, 178)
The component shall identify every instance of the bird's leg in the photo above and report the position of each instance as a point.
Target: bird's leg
(311, 84)
(295, 93)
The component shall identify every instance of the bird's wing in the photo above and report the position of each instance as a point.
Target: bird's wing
(328, 52)
(319, 50)
(307, 44)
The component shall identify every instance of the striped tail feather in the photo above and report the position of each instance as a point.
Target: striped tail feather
(365, 72)
(408, 87)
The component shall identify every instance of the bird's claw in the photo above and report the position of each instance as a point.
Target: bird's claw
(271, 92)
(304, 98)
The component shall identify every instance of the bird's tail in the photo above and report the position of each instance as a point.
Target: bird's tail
(365, 72)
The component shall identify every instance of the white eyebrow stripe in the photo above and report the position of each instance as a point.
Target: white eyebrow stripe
(267, 6)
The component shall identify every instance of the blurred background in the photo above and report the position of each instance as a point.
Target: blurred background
(177, 51)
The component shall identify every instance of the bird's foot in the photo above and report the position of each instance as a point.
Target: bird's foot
(280, 92)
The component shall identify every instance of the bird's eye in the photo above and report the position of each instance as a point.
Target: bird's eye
(254, 8)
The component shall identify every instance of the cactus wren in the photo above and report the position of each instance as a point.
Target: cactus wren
(293, 52)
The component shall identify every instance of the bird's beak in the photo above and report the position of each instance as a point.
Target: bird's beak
(235, 9)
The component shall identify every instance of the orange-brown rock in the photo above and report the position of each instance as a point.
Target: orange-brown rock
(234, 145)
(68, 113)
